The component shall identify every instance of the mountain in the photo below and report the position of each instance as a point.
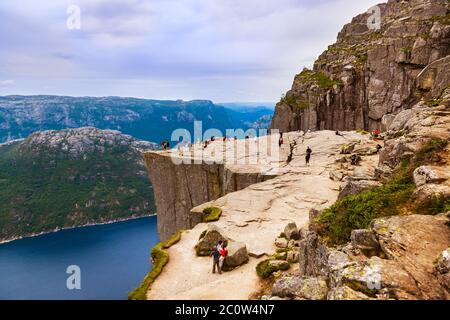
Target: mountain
(368, 76)
(73, 177)
(150, 120)
(249, 115)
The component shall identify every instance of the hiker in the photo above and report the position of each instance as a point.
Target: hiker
(280, 141)
(308, 155)
(338, 133)
(223, 253)
(216, 257)
(375, 133)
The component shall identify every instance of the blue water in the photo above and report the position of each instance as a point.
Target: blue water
(113, 260)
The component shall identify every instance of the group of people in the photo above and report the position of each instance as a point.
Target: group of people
(219, 254)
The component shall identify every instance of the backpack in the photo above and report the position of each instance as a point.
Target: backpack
(216, 254)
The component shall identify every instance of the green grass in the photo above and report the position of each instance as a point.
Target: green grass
(160, 258)
(211, 214)
(265, 270)
(319, 78)
(335, 224)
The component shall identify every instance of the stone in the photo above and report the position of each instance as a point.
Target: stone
(443, 262)
(237, 255)
(363, 173)
(336, 175)
(292, 256)
(346, 293)
(209, 239)
(364, 239)
(281, 243)
(352, 187)
(291, 231)
(425, 174)
(298, 287)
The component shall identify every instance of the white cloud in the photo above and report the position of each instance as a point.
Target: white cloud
(7, 83)
(190, 48)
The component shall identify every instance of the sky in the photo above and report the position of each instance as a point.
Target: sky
(222, 50)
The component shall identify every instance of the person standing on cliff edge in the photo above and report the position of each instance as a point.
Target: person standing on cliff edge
(308, 155)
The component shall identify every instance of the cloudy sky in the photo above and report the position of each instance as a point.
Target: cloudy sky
(223, 50)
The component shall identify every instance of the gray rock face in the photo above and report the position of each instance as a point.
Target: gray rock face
(281, 243)
(303, 288)
(424, 175)
(365, 240)
(351, 187)
(346, 293)
(237, 255)
(369, 74)
(291, 231)
(443, 262)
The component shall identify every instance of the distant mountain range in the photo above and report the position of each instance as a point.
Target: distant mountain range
(150, 120)
(73, 177)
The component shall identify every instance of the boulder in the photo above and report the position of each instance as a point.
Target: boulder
(363, 173)
(209, 239)
(336, 175)
(352, 187)
(237, 255)
(423, 175)
(365, 150)
(281, 243)
(292, 256)
(365, 240)
(443, 262)
(298, 287)
(293, 244)
(291, 231)
(346, 293)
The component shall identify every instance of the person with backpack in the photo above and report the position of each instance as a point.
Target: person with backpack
(216, 257)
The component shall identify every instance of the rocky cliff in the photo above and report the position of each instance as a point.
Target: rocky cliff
(179, 188)
(369, 75)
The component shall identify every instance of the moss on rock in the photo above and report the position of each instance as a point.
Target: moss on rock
(159, 259)
(211, 214)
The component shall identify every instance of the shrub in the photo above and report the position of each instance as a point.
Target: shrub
(211, 214)
(159, 258)
(336, 223)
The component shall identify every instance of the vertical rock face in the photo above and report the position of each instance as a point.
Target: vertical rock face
(369, 75)
(179, 188)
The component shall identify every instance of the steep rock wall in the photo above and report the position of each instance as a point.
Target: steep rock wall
(368, 75)
(179, 188)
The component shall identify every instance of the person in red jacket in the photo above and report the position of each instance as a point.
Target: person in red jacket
(223, 253)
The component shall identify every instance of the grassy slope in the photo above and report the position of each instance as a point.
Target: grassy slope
(40, 192)
(357, 211)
